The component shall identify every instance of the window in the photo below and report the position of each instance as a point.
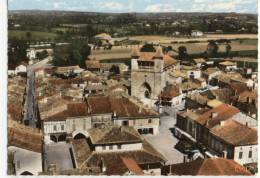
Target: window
(103, 147)
(149, 121)
(240, 155)
(111, 147)
(62, 127)
(54, 127)
(125, 123)
(250, 154)
(119, 147)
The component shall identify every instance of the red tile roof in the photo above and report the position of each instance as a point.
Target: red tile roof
(223, 112)
(236, 133)
(24, 137)
(132, 166)
(209, 167)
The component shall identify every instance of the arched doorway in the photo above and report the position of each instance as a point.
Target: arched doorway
(53, 138)
(79, 136)
(62, 138)
(146, 89)
(26, 173)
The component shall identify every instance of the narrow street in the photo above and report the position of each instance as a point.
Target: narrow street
(30, 104)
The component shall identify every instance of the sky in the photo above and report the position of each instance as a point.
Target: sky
(117, 6)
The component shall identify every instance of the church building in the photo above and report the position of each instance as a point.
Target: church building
(149, 74)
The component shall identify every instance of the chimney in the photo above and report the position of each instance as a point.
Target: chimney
(139, 110)
(222, 123)
(214, 114)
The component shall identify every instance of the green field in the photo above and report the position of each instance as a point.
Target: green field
(35, 35)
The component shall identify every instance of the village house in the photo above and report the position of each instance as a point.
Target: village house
(26, 150)
(125, 112)
(105, 148)
(209, 73)
(16, 98)
(199, 62)
(20, 69)
(204, 125)
(69, 71)
(93, 65)
(236, 141)
(228, 66)
(64, 118)
(31, 53)
(171, 96)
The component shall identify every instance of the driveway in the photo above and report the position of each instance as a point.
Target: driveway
(59, 154)
(164, 141)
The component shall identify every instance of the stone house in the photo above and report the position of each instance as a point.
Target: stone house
(212, 128)
(26, 151)
(105, 147)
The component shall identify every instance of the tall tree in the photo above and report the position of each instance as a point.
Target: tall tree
(183, 54)
(212, 48)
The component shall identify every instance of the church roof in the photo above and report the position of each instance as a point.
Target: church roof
(159, 53)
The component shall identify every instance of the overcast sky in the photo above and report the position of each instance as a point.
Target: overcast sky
(241, 6)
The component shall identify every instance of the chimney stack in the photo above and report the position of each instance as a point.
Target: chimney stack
(214, 114)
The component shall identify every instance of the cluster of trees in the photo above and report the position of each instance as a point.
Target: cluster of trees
(17, 51)
(211, 51)
(41, 55)
(74, 54)
(89, 24)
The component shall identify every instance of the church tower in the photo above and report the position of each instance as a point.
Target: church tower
(147, 74)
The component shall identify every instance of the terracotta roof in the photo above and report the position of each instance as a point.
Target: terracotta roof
(73, 110)
(214, 103)
(227, 63)
(222, 94)
(199, 60)
(132, 166)
(61, 70)
(236, 133)
(92, 64)
(245, 95)
(170, 92)
(122, 165)
(114, 135)
(209, 167)
(237, 87)
(159, 53)
(85, 158)
(168, 60)
(24, 137)
(211, 70)
(121, 105)
(223, 112)
(135, 53)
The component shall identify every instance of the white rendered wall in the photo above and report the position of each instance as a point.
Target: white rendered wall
(29, 161)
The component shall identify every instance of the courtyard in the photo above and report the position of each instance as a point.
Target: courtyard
(164, 141)
(59, 154)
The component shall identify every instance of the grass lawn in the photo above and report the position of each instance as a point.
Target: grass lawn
(35, 35)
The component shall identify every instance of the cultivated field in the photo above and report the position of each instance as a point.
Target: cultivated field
(167, 40)
(35, 35)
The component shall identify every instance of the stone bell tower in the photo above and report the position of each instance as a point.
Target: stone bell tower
(147, 74)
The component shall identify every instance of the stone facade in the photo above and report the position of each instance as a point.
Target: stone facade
(147, 76)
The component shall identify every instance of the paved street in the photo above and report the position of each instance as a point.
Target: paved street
(59, 154)
(30, 104)
(165, 141)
